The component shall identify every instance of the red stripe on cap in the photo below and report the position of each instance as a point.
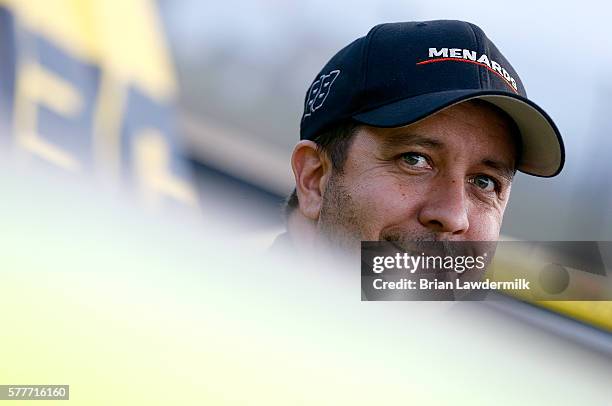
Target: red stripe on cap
(469, 61)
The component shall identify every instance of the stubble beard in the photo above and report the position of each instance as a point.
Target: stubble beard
(340, 226)
(343, 225)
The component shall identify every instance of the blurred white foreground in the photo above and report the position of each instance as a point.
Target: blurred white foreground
(132, 308)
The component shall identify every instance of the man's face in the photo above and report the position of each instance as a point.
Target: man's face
(446, 177)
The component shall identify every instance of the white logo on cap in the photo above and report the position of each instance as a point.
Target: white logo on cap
(318, 92)
(466, 55)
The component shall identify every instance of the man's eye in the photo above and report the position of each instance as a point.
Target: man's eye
(485, 183)
(416, 160)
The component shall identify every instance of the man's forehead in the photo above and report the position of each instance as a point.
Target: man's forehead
(480, 116)
(475, 112)
(389, 142)
(487, 142)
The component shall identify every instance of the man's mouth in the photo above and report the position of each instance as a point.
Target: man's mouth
(430, 245)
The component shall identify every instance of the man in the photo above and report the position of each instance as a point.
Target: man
(414, 133)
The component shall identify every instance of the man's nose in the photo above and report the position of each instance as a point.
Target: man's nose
(445, 208)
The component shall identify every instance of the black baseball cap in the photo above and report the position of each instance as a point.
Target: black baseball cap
(400, 73)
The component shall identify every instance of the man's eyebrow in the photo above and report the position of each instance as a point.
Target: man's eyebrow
(402, 139)
(503, 169)
(393, 141)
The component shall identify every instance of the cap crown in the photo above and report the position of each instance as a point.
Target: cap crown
(398, 61)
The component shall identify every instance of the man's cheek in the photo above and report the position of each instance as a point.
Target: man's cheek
(381, 207)
(485, 226)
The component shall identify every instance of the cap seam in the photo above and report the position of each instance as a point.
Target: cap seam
(479, 75)
(366, 56)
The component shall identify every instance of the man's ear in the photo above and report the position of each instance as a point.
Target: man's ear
(311, 169)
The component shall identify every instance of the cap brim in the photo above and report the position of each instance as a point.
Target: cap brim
(543, 153)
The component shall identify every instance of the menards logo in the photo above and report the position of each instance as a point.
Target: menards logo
(466, 55)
